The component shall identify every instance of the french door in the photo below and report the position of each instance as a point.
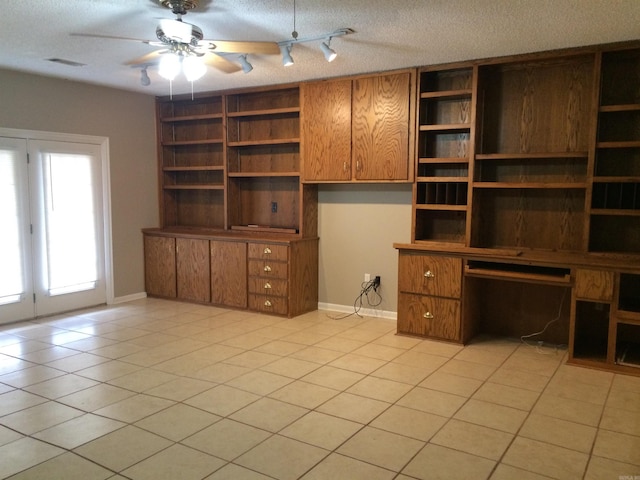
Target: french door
(52, 249)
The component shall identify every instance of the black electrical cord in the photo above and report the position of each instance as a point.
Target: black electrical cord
(366, 288)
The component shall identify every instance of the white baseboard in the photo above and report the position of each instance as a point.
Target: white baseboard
(128, 298)
(368, 312)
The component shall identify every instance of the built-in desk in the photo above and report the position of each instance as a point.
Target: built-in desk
(588, 303)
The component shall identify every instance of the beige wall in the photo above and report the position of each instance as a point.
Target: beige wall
(32, 102)
(358, 225)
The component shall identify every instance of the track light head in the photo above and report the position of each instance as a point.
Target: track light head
(287, 60)
(145, 81)
(329, 54)
(246, 66)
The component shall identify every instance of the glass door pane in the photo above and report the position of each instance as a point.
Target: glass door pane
(16, 292)
(68, 225)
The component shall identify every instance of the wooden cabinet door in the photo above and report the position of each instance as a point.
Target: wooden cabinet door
(326, 130)
(193, 269)
(229, 273)
(381, 126)
(160, 266)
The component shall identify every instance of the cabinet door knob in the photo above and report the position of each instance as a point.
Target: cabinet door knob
(267, 251)
(428, 315)
(267, 303)
(267, 268)
(358, 165)
(267, 285)
(429, 274)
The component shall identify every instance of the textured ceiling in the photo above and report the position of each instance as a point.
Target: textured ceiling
(389, 34)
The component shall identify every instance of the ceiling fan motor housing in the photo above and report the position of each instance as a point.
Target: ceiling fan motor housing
(176, 31)
(179, 7)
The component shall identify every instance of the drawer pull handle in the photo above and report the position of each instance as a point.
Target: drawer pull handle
(267, 268)
(267, 251)
(428, 315)
(429, 274)
(267, 285)
(267, 303)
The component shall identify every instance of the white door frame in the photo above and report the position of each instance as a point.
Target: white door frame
(103, 143)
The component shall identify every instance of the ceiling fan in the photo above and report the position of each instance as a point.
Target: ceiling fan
(180, 41)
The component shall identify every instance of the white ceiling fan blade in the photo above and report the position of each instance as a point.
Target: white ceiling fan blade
(230, 46)
(110, 37)
(148, 58)
(220, 63)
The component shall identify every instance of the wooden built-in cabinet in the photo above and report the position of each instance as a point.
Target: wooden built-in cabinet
(228, 273)
(359, 129)
(528, 174)
(229, 176)
(160, 266)
(277, 276)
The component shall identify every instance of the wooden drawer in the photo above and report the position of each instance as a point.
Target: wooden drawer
(429, 316)
(268, 286)
(430, 275)
(268, 304)
(267, 269)
(268, 251)
(594, 285)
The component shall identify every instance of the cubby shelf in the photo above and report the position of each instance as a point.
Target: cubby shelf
(203, 168)
(193, 187)
(263, 174)
(532, 185)
(448, 94)
(172, 143)
(191, 118)
(263, 113)
(453, 127)
(267, 141)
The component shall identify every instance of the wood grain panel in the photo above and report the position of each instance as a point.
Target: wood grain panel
(429, 316)
(303, 277)
(267, 304)
(269, 251)
(193, 269)
(430, 275)
(380, 127)
(268, 269)
(160, 266)
(326, 130)
(594, 285)
(538, 106)
(229, 273)
(268, 286)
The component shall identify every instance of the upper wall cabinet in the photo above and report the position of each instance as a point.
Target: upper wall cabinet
(359, 129)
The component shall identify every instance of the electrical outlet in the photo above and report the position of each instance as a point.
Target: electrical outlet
(274, 207)
(367, 277)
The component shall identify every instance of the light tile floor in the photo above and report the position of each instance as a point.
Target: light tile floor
(154, 389)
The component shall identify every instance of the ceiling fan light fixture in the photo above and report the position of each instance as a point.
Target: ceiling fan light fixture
(329, 54)
(246, 66)
(169, 66)
(287, 60)
(193, 68)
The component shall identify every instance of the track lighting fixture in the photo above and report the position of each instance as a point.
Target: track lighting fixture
(329, 54)
(244, 63)
(287, 60)
(145, 81)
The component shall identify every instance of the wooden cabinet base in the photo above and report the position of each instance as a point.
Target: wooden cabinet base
(276, 275)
